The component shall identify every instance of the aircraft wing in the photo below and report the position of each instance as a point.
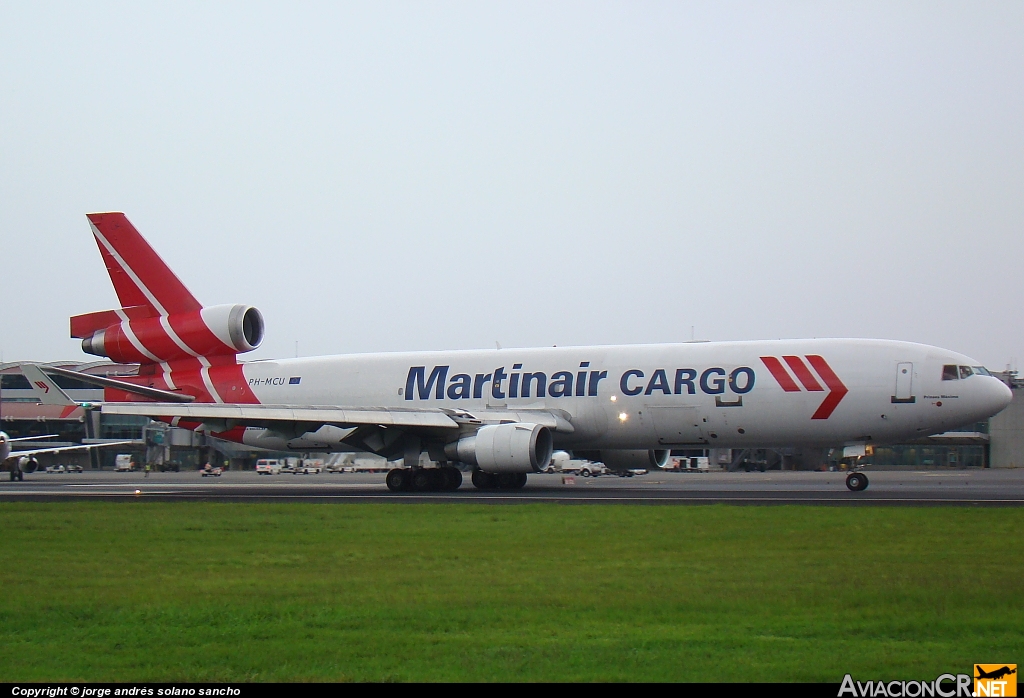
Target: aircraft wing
(268, 415)
(224, 416)
(33, 438)
(107, 382)
(59, 449)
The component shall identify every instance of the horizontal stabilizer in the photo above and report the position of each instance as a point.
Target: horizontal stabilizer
(87, 325)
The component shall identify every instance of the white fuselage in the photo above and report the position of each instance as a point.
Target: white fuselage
(826, 392)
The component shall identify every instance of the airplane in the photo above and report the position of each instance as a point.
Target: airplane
(49, 393)
(994, 674)
(502, 412)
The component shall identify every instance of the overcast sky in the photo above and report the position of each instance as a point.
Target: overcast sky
(396, 176)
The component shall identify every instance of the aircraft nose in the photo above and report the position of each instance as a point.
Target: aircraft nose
(1000, 396)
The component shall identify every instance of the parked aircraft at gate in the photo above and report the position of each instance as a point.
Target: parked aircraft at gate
(503, 411)
(24, 461)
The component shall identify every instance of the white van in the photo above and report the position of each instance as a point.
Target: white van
(698, 464)
(123, 463)
(268, 466)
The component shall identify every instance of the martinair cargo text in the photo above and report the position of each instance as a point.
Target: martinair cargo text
(501, 412)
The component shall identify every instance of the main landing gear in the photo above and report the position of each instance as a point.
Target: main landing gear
(498, 481)
(857, 482)
(445, 479)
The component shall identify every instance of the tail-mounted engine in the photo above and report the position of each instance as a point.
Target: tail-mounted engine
(505, 448)
(214, 331)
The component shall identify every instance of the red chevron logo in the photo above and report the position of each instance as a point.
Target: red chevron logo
(837, 391)
(43, 386)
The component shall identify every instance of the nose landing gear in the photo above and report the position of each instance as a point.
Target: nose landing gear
(857, 482)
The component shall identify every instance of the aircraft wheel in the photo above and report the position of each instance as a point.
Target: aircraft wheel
(397, 479)
(14, 476)
(520, 481)
(484, 481)
(857, 482)
(438, 480)
(423, 480)
(452, 478)
(508, 481)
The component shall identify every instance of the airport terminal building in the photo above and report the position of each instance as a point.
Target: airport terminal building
(22, 415)
(995, 443)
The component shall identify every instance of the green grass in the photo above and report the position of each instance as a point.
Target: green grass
(279, 592)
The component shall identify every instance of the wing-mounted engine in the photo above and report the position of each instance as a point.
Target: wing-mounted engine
(505, 448)
(215, 331)
(619, 460)
(28, 464)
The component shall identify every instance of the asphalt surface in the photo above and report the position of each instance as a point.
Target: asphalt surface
(893, 488)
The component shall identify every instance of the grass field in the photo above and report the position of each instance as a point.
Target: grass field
(278, 592)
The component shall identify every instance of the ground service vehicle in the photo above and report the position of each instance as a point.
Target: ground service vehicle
(268, 466)
(693, 464)
(501, 413)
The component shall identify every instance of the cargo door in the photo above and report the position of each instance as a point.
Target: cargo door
(904, 383)
(676, 425)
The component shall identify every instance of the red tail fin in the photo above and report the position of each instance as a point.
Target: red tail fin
(139, 276)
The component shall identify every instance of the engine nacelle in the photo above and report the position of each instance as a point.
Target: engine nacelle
(28, 464)
(505, 448)
(215, 331)
(614, 459)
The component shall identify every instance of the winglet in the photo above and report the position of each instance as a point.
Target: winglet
(48, 392)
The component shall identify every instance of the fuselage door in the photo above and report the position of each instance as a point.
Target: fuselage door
(904, 383)
(676, 425)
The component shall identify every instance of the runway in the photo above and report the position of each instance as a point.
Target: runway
(889, 488)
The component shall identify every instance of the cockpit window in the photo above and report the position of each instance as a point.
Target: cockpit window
(981, 370)
(950, 373)
(965, 371)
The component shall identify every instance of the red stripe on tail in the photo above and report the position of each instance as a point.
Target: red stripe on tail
(136, 255)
